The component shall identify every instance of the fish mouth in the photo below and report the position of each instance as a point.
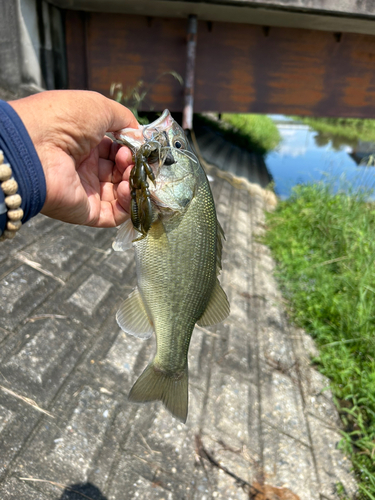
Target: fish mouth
(169, 159)
(164, 122)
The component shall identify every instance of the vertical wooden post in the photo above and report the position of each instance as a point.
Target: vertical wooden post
(187, 119)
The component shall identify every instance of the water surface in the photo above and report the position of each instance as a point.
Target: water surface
(305, 155)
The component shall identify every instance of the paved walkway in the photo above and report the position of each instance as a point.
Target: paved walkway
(261, 423)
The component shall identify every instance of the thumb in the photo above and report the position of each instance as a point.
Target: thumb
(120, 116)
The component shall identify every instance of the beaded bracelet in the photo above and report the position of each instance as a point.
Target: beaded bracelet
(12, 200)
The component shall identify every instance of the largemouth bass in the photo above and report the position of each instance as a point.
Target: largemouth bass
(178, 261)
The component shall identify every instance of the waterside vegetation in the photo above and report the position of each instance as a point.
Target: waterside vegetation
(339, 131)
(324, 244)
(256, 133)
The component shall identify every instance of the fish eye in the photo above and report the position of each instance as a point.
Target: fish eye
(179, 144)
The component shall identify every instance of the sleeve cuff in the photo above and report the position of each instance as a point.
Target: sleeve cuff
(27, 170)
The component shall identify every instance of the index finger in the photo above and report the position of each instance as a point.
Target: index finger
(123, 159)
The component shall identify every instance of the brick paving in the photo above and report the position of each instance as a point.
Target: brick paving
(258, 412)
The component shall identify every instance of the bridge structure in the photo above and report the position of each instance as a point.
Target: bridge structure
(303, 57)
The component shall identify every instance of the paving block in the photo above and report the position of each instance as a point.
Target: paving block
(15, 488)
(333, 466)
(104, 468)
(5, 417)
(88, 297)
(282, 405)
(156, 459)
(123, 355)
(44, 353)
(117, 265)
(100, 237)
(227, 489)
(199, 352)
(318, 396)
(4, 334)
(275, 346)
(18, 419)
(289, 464)
(80, 439)
(64, 450)
(238, 461)
(21, 291)
(31, 231)
(227, 407)
(59, 254)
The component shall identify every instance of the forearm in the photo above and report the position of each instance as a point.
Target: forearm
(27, 170)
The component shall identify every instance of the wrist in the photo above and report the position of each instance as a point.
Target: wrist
(20, 153)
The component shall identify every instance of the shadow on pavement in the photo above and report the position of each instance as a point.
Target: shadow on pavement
(82, 490)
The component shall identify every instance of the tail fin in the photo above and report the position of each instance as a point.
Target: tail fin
(170, 388)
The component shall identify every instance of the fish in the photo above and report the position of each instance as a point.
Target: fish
(178, 262)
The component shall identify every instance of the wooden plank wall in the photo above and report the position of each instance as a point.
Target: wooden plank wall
(239, 67)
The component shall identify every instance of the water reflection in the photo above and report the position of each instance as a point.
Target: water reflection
(305, 155)
(337, 142)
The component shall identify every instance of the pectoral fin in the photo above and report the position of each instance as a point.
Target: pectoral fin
(125, 236)
(217, 309)
(132, 317)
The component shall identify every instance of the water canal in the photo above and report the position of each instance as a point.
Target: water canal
(305, 155)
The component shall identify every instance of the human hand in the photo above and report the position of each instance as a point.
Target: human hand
(87, 175)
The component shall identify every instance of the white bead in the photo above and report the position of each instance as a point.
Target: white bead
(14, 225)
(16, 214)
(13, 201)
(9, 187)
(5, 172)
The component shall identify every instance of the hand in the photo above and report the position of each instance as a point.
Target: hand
(87, 175)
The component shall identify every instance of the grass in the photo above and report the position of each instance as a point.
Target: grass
(256, 133)
(324, 244)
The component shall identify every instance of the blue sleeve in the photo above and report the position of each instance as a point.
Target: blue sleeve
(27, 170)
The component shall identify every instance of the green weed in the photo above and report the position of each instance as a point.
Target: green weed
(256, 133)
(325, 247)
(134, 97)
(260, 128)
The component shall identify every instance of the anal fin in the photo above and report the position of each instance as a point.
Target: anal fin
(132, 317)
(217, 309)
